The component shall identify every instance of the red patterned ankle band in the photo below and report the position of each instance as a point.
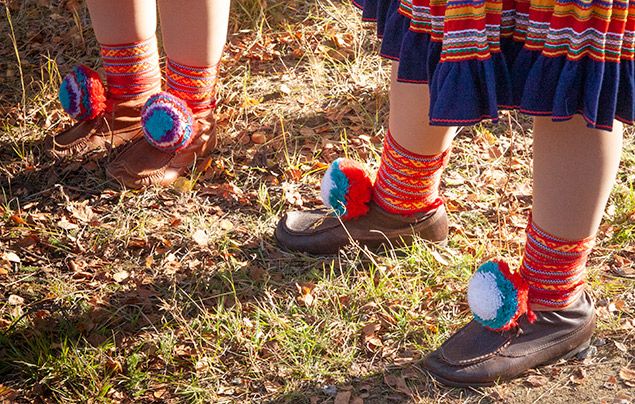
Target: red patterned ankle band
(194, 85)
(554, 268)
(408, 183)
(132, 70)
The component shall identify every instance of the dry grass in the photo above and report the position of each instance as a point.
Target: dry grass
(182, 294)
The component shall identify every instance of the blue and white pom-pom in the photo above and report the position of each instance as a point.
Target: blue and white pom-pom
(346, 188)
(498, 297)
(167, 122)
(82, 94)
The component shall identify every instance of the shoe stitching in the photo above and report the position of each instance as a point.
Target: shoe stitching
(565, 338)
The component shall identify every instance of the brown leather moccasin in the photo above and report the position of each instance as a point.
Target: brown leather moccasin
(120, 124)
(318, 232)
(477, 356)
(142, 165)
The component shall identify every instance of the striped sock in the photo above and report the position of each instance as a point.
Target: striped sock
(554, 268)
(195, 85)
(132, 70)
(408, 183)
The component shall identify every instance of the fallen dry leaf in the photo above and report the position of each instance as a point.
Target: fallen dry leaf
(201, 238)
(66, 225)
(620, 346)
(398, 383)
(305, 290)
(121, 276)
(17, 219)
(257, 273)
(610, 383)
(82, 212)
(628, 376)
(343, 397)
(536, 381)
(7, 394)
(15, 300)
(371, 341)
(578, 376)
(182, 185)
(284, 89)
(226, 225)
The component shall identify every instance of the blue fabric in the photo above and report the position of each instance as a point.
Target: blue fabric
(509, 298)
(466, 92)
(454, 83)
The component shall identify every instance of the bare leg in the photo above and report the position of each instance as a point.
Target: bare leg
(574, 172)
(408, 122)
(123, 21)
(194, 31)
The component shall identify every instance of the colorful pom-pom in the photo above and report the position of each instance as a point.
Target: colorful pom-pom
(167, 122)
(82, 94)
(346, 188)
(498, 297)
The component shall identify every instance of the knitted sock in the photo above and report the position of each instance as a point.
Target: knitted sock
(554, 268)
(408, 183)
(195, 85)
(132, 70)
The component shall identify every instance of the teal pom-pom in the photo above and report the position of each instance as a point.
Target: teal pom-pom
(167, 122)
(497, 297)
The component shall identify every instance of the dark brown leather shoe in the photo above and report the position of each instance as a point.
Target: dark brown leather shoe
(477, 356)
(120, 124)
(319, 232)
(142, 165)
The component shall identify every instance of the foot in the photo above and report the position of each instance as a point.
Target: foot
(478, 356)
(142, 165)
(319, 232)
(119, 125)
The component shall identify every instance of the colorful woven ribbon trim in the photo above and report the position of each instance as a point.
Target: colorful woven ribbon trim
(408, 183)
(554, 268)
(132, 70)
(194, 85)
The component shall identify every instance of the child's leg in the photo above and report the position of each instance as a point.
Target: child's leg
(414, 155)
(574, 172)
(123, 21)
(408, 121)
(194, 32)
(194, 35)
(405, 192)
(125, 30)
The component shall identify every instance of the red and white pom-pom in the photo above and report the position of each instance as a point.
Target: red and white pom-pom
(346, 188)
